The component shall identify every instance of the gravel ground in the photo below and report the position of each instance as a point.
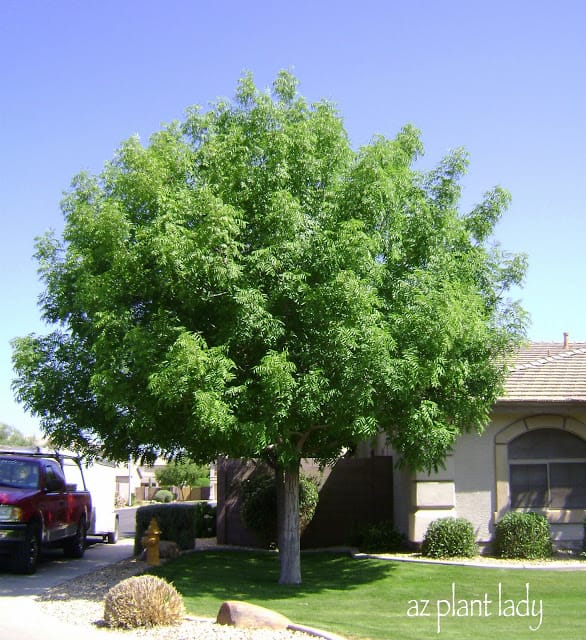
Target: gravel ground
(563, 560)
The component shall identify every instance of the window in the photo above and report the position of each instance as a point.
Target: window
(528, 485)
(547, 469)
(18, 473)
(53, 479)
(567, 485)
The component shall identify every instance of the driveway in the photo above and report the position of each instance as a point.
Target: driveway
(22, 618)
(54, 569)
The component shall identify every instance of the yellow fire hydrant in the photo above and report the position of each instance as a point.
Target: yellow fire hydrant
(150, 541)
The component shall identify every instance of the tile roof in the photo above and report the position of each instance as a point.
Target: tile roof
(548, 372)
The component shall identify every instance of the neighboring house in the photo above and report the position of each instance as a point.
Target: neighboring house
(127, 479)
(137, 482)
(532, 455)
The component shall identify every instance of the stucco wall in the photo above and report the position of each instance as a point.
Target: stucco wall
(475, 475)
(474, 481)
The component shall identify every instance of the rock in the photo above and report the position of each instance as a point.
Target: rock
(251, 616)
(168, 549)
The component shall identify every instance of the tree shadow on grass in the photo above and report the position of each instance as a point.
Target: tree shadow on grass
(240, 575)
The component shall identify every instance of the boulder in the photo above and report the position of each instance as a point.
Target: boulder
(251, 616)
(168, 549)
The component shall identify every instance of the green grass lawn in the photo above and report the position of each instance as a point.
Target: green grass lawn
(376, 599)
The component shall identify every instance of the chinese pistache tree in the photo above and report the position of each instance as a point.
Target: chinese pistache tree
(247, 284)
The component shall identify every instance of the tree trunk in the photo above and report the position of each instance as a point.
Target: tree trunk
(288, 524)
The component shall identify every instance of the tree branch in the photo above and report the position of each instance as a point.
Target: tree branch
(305, 435)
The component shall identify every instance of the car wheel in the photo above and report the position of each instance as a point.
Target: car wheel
(27, 552)
(75, 547)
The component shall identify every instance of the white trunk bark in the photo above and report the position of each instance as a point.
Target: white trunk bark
(288, 523)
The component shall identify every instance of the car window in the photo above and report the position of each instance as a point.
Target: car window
(19, 474)
(53, 478)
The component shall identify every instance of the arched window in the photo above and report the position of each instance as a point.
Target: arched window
(547, 469)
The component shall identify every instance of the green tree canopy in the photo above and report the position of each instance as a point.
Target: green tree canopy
(248, 284)
(10, 436)
(182, 473)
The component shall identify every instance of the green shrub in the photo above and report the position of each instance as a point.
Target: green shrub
(259, 505)
(381, 537)
(525, 535)
(163, 495)
(205, 520)
(308, 499)
(449, 538)
(143, 601)
(176, 522)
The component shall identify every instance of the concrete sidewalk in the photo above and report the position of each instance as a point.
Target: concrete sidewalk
(21, 618)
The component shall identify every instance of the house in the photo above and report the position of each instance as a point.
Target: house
(137, 482)
(532, 455)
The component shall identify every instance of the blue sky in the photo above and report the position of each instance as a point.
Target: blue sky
(504, 79)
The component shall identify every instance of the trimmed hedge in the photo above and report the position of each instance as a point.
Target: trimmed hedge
(524, 535)
(176, 522)
(449, 538)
